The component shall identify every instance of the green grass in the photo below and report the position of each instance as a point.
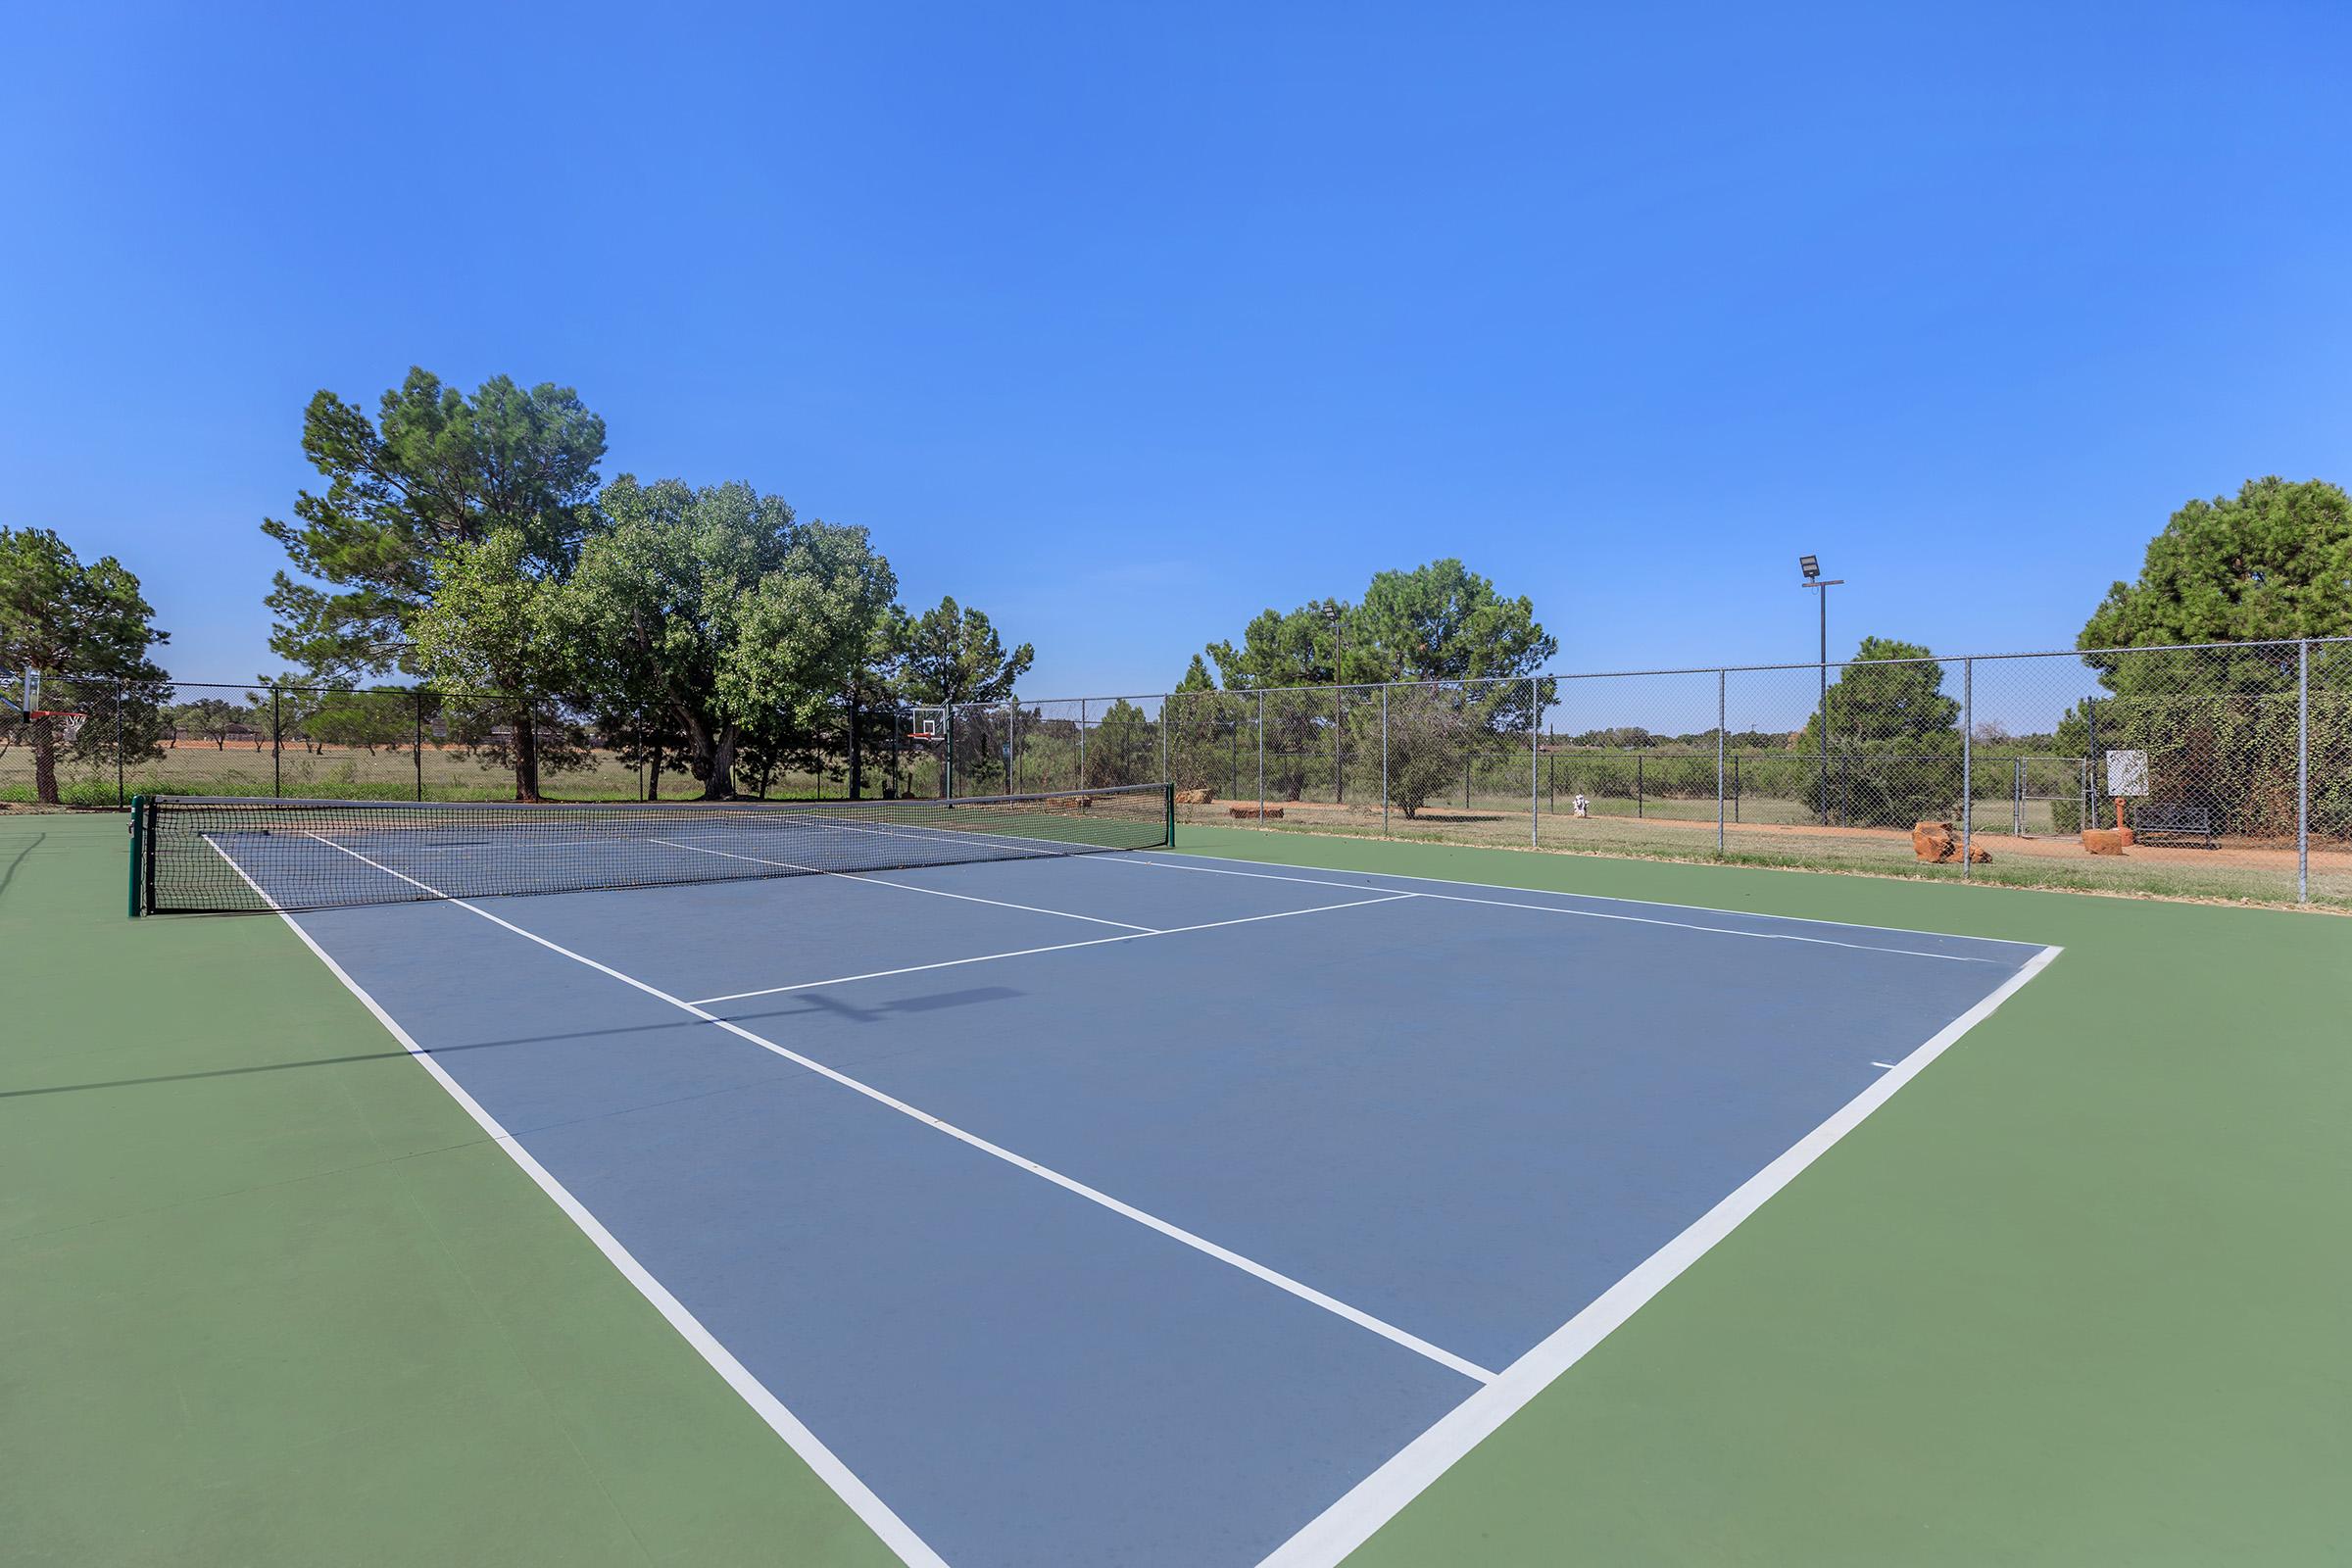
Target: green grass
(2075, 1295)
(267, 1295)
(2232, 872)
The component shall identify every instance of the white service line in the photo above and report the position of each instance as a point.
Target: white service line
(1588, 915)
(877, 1515)
(885, 882)
(1373, 1501)
(1059, 946)
(1201, 1244)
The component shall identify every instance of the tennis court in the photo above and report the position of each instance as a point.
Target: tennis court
(1120, 1207)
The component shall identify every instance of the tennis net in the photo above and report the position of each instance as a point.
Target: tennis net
(209, 855)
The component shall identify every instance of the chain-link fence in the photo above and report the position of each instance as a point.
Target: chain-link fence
(2221, 772)
(98, 741)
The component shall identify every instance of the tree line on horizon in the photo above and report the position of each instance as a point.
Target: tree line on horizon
(469, 543)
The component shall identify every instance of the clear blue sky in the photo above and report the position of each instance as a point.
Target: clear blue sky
(1125, 321)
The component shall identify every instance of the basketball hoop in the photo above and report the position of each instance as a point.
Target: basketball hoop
(64, 729)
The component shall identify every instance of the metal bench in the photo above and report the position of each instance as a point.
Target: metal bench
(2154, 820)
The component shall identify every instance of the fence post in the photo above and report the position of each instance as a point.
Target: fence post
(1082, 744)
(1722, 709)
(1165, 776)
(1013, 745)
(1384, 762)
(118, 745)
(1534, 711)
(1968, 757)
(278, 784)
(1338, 737)
(1261, 758)
(2303, 771)
(1637, 786)
(418, 752)
(946, 766)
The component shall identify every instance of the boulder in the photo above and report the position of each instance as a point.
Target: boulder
(1939, 842)
(2103, 841)
(1195, 797)
(1249, 810)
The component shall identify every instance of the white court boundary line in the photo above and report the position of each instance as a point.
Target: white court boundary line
(1380, 1496)
(877, 1515)
(885, 882)
(1200, 1243)
(1136, 858)
(1602, 898)
(1360, 1512)
(1057, 947)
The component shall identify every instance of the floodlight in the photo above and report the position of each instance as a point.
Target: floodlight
(1810, 565)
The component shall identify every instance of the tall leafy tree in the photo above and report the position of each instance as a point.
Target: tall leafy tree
(720, 609)
(1202, 751)
(1440, 621)
(415, 494)
(954, 655)
(1443, 621)
(2275, 560)
(1437, 623)
(88, 629)
(495, 625)
(1893, 739)
(2219, 725)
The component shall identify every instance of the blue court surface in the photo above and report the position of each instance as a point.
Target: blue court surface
(1142, 1208)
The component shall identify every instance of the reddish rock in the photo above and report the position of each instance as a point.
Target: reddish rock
(1195, 797)
(1249, 810)
(1939, 842)
(2103, 841)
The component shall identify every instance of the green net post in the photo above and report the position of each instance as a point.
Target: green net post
(1170, 787)
(139, 846)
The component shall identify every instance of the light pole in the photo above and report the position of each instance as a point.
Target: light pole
(1811, 566)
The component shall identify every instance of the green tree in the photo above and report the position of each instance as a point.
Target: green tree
(720, 608)
(2252, 571)
(383, 718)
(1443, 621)
(1200, 721)
(1123, 747)
(90, 624)
(207, 718)
(954, 655)
(1437, 623)
(494, 627)
(1432, 735)
(2273, 562)
(1893, 739)
(1278, 648)
(415, 494)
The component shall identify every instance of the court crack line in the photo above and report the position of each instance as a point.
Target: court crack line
(1177, 1232)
